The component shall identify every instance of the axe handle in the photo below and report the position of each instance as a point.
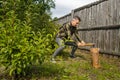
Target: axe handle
(89, 44)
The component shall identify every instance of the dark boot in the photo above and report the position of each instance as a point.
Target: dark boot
(73, 51)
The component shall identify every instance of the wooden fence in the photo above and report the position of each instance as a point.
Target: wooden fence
(100, 24)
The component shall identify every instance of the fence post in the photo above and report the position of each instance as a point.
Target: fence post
(72, 14)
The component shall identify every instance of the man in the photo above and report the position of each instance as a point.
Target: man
(68, 35)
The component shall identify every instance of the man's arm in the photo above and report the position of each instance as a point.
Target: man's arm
(80, 42)
(77, 36)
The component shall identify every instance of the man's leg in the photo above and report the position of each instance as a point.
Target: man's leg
(58, 51)
(74, 48)
(61, 47)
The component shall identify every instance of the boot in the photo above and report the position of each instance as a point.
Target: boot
(73, 51)
(95, 57)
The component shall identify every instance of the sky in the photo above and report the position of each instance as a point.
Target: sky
(64, 7)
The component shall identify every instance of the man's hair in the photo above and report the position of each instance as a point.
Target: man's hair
(77, 17)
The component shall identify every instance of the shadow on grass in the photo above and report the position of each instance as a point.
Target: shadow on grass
(47, 70)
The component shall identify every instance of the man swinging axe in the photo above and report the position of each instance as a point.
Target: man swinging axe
(68, 35)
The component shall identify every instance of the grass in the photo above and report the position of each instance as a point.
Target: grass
(79, 68)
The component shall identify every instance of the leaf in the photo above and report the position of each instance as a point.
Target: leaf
(12, 70)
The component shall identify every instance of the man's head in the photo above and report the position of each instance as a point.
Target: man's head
(75, 21)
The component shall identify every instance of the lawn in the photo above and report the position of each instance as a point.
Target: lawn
(79, 68)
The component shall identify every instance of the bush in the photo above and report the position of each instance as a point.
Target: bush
(20, 47)
(26, 34)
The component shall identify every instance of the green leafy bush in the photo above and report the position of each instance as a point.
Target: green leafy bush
(26, 37)
(20, 46)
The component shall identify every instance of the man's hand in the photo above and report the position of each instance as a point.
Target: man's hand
(82, 43)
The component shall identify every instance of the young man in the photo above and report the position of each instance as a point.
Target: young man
(68, 35)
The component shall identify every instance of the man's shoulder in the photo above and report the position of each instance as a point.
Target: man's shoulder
(67, 24)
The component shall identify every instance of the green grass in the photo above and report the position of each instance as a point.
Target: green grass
(79, 68)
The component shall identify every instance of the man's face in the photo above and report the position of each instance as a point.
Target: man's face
(75, 22)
